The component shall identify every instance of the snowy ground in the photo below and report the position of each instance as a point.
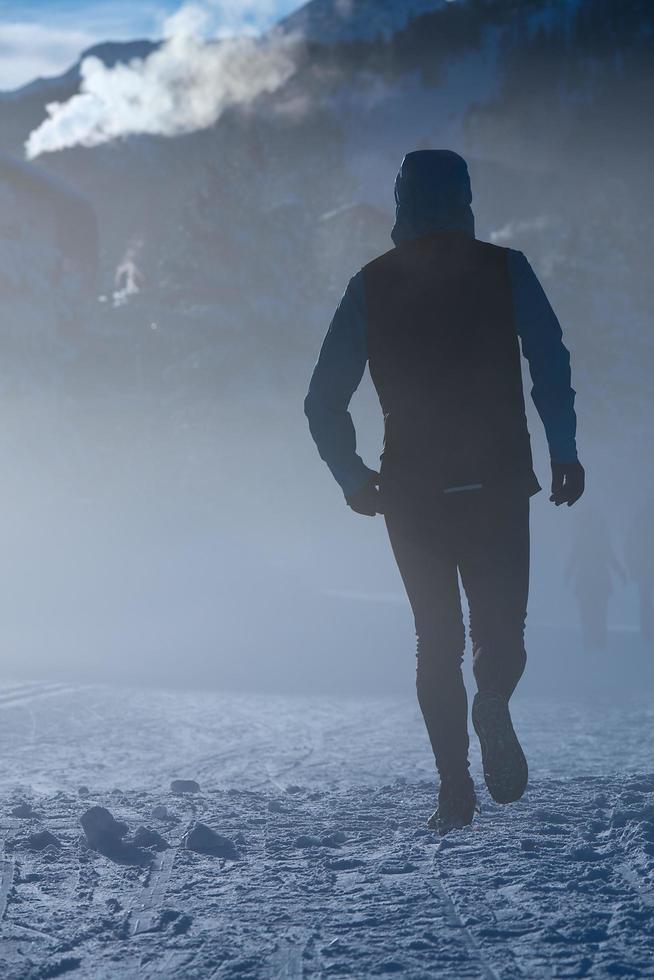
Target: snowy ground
(325, 801)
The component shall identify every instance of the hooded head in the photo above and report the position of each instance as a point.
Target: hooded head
(432, 193)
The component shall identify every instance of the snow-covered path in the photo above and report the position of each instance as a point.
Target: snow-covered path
(325, 801)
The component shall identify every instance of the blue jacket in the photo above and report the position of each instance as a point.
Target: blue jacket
(435, 199)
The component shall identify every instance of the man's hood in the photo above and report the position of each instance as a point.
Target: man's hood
(432, 193)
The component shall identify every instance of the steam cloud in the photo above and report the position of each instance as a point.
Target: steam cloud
(183, 86)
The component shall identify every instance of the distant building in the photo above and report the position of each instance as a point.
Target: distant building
(48, 252)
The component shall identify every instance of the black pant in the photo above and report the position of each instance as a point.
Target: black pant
(484, 536)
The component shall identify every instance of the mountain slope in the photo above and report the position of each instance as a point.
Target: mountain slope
(110, 53)
(546, 98)
(341, 21)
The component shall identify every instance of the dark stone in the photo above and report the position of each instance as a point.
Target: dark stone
(335, 839)
(344, 864)
(204, 840)
(182, 924)
(59, 967)
(23, 810)
(396, 866)
(306, 840)
(40, 840)
(83, 791)
(391, 966)
(146, 837)
(178, 922)
(100, 828)
(160, 812)
(184, 786)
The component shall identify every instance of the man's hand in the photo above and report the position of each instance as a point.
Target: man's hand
(568, 482)
(367, 500)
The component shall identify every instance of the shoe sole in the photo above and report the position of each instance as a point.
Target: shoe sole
(505, 767)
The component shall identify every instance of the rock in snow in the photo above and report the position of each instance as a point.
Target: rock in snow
(480, 902)
(335, 839)
(160, 812)
(184, 786)
(41, 840)
(23, 810)
(147, 837)
(204, 840)
(177, 922)
(101, 829)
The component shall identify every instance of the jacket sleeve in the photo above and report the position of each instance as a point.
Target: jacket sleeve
(335, 378)
(549, 360)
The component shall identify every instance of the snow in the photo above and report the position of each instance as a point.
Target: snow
(332, 871)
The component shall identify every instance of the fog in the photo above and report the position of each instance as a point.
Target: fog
(166, 283)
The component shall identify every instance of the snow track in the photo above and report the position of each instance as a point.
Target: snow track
(23, 694)
(456, 922)
(6, 881)
(287, 962)
(147, 911)
(337, 875)
(150, 902)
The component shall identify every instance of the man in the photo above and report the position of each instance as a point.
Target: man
(438, 320)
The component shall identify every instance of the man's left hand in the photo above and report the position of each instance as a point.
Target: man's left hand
(568, 483)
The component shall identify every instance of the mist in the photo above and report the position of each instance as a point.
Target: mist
(166, 517)
(215, 762)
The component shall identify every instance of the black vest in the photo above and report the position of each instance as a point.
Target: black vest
(444, 358)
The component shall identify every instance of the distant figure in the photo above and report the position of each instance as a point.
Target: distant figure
(591, 570)
(639, 558)
(438, 320)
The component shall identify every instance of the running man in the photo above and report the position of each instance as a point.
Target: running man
(438, 320)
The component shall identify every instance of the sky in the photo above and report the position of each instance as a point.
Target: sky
(44, 37)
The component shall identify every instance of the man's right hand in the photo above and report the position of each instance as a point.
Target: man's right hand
(367, 500)
(568, 483)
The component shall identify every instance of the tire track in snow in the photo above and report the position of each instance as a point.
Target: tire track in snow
(15, 692)
(287, 962)
(22, 698)
(456, 922)
(7, 868)
(143, 918)
(261, 773)
(9, 690)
